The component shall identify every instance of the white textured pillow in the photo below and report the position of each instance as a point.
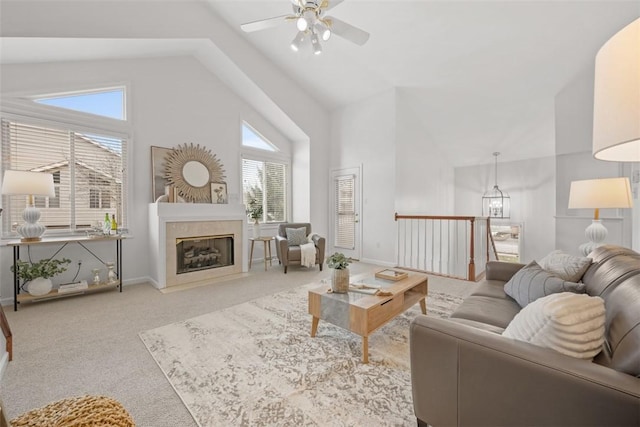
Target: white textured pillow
(571, 324)
(567, 267)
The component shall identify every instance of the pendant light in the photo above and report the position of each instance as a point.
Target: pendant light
(495, 202)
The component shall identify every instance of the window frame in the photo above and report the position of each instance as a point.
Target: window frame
(258, 156)
(41, 115)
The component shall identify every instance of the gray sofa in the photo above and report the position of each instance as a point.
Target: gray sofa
(464, 372)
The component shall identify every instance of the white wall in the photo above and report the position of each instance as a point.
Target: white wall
(364, 134)
(574, 161)
(531, 186)
(424, 179)
(174, 101)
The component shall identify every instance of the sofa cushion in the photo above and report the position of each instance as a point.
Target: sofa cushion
(533, 282)
(565, 266)
(491, 288)
(296, 236)
(571, 324)
(494, 311)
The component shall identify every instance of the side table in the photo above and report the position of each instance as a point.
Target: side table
(267, 249)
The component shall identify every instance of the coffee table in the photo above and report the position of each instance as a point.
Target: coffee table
(363, 314)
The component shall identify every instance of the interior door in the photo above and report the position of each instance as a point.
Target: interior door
(346, 212)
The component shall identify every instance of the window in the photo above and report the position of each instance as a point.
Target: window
(88, 170)
(264, 183)
(264, 176)
(252, 139)
(106, 102)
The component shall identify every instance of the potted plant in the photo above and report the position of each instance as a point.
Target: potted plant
(340, 278)
(255, 211)
(37, 275)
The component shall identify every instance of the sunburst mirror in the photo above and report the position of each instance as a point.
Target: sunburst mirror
(191, 169)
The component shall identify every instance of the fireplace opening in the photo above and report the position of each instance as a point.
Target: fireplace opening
(203, 253)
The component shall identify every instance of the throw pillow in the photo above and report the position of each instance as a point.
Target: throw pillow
(565, 266)
(532, 282)
(571, 324)
(296, 236)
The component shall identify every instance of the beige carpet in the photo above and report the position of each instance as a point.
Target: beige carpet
(255, 364)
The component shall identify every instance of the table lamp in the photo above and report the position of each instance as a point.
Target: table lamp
(599, 194)
(30, 184)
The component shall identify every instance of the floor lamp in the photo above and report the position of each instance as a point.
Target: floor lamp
(30, 184)
(606, 193)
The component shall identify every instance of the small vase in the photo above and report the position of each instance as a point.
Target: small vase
(256, 229)
(340, 281)
(39, 286)
(112, 277)
(96, 276)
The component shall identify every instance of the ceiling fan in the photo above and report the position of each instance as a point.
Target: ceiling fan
(311, 23)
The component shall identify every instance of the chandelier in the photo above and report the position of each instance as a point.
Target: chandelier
(495, 202)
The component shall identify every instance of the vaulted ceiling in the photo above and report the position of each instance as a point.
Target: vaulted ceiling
(481, 74)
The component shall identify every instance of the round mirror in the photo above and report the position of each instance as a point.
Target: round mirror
(195, 174)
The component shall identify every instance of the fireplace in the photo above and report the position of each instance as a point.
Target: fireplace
(203, 253)
(193, 224)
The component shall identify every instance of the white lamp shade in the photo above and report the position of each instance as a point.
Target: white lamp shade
(600, 194)
(616, 102)
(24, 183)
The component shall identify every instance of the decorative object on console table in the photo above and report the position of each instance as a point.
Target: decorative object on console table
(219, 193)
(616, 100)
(30, 184)
(37, 276)
(599, 194)
(340, 276)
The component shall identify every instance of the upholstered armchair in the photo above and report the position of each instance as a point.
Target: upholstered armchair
(291, 254)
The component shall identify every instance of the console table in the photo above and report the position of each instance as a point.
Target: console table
(63, 242)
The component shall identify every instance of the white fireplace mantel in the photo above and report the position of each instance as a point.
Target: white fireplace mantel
(161, 214)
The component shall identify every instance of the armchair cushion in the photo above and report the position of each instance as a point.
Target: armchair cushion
(296, 236)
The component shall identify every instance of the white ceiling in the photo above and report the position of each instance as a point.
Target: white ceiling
(480, 75)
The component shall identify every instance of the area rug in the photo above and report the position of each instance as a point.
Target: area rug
(255, 364)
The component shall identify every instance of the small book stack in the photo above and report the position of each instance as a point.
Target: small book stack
(73, 287)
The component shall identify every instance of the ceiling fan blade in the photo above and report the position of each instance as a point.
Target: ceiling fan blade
(263, 24)
(347, 31)
(329, 4)
(298, 3)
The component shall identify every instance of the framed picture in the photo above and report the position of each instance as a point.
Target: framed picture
(219, 193)
(158, 181)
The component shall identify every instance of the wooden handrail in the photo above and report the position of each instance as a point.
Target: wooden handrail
(447, 217)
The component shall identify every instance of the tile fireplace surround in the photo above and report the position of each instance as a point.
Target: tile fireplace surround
(171, 221)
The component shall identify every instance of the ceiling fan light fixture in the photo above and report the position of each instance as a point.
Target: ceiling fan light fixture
(315, 44)
(302, 24)
(323, 30)
(297, 41)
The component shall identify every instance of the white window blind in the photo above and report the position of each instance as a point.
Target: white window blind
(88, 169)
(345, 212)
(266, 183)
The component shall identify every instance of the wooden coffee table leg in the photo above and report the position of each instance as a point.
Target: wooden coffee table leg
(423, 306)
(365, 349)
(314, 326)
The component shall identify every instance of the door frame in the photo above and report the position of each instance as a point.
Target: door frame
(356, 253)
